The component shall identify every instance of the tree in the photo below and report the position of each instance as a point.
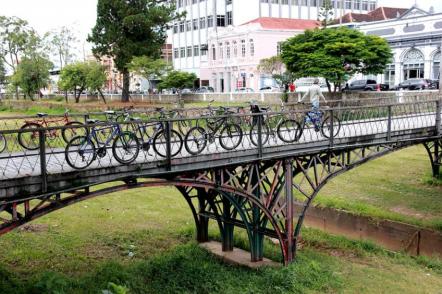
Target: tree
(129, 28)
(62, 43)
(81, 76)
(334, 54)
(96, 78)
(32, 74)
(151, 69)
(275, 67)
(178, 80)
(2, 73)
(17, 40)
(325, 14)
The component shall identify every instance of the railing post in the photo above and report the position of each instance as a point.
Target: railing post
(389, 124)
(167, 132)
(438, 117)
(42, 149)
(260, 121)
(332, 129)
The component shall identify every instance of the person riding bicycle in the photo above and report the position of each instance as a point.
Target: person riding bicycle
(315, 94)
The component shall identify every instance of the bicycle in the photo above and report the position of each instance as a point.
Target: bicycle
(322, 123)
(86, 149)
(153, 134)
(28, 136)
(228, 133)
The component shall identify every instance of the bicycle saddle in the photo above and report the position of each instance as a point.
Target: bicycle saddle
(159, 108)
(135, 119)
(92, 121)
(109, 112)
(41, 114)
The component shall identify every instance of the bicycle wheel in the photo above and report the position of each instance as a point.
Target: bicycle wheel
(28, 138)
(80, 152)
(79, 129)
(126, 147)
(326, 126)
(160, 147)
(2, 143)
(230, 136)
(195, 140)
(289, 131)
(265, 133)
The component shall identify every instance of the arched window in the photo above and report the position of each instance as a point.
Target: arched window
(251, 47)
(436, 65)
(243, 48)
(227, 50)
(220, 51)
(413, 64)
(235, 49)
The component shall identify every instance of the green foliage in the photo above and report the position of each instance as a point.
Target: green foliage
(62, 43)
(334, 53)
(272, 65)
(151, 69)
(178, 80)
(2, 72)
(326, 13)
(82, 76)
(125, 29)
(32, 74)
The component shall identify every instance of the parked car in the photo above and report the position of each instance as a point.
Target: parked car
(244, 90)
(415, 84)
(270, 89)
(187, 91)
(205, 89)
(434, 84)
(366, 85)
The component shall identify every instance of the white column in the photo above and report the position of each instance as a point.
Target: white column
(398, 73)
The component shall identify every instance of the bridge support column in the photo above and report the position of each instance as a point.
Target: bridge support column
(257, 238)
(202, 228)
(434, 150)
(288, 177)
(227, 235)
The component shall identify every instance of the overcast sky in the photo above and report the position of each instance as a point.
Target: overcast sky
(45, 15)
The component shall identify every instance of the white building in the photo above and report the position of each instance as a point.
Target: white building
(207, 17)
(415, 37)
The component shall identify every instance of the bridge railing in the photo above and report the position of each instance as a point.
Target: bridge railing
(163, 143)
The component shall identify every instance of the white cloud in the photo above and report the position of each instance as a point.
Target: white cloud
(424, 4)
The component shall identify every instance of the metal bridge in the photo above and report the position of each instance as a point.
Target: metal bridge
(259, 180)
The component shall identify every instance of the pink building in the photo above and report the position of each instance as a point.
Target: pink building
(234, 53)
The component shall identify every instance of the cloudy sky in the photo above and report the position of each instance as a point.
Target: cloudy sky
(45, 15)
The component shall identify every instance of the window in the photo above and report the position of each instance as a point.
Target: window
(196, 50)
(313, 3)
(175, 28)
(181, 27)
(188, 25)
(304, 2)
(175, 53)
(204, 49)
(243, 48)
(183, 52)
(284, 2)
(275, 1)
(189, 51)
(220, 51)
(220, 20)
(348, 4)
(229, 18)
(202, 23)
(235, 49)
(264, 1)
(278, 48)
(213, 52)
(228, 2)
(195, 24)
(364, 5)
(372, 6)
(228, 54)
(357, 5)
(210, 21)
(251, 47)
(194, 1)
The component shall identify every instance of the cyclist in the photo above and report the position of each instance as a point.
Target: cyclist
(315, 94)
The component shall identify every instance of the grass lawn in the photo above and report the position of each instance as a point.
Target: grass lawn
(398, 186)
(142, 240)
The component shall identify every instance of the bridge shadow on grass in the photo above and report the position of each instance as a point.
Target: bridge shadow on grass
(186, 269)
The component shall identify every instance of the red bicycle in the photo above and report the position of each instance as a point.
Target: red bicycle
(28, 138)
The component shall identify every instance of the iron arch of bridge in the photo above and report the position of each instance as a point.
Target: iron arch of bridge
(265, 198)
